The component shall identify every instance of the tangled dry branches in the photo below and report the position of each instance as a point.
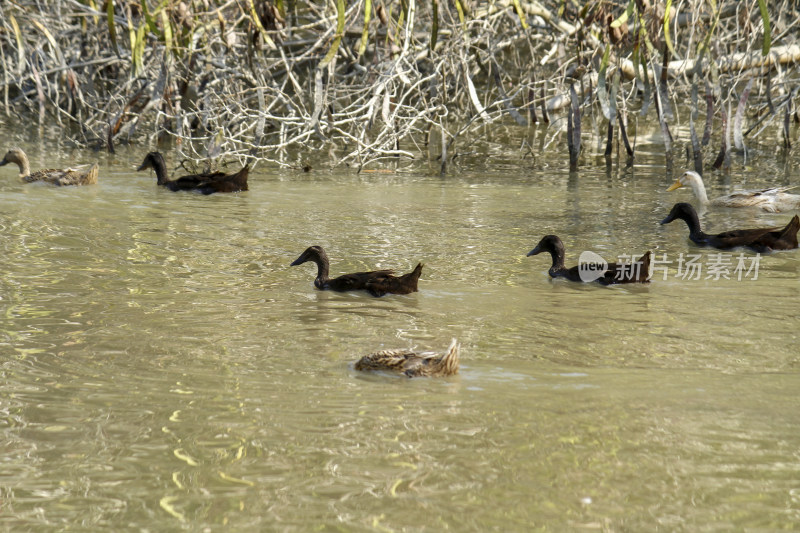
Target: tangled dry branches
(274, 80)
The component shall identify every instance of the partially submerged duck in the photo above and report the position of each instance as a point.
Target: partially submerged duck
(206, 183)
(377, 283)
(773, 199)
(54, 176)
(637, 272)
(414, 364)
(760, 239)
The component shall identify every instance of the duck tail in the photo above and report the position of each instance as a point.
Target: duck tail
(240, 178)
(448, 364)
(793, 225)
(91, 176)
(789, 233)
(413, 277)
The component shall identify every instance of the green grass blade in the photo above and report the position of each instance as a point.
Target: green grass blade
(461, 16)
(762, 5)
(667, 38)
(112, 30)
(138, 51)
(703, 46)
(602, 92)
(338, 38)
(167, 25)
(365, 32)
(257, 22)
(20, 45)
(132, 36)
(401, 18)
(624, 17)
(520, 14)
(434, 23)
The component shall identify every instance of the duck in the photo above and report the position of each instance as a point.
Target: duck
(773, 199)
(206, 183)
(762, 240)
(377, 283)
(413, 364)
(54, 176)
(614, 273)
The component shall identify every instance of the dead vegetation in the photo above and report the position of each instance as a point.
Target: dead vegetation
(371, 80)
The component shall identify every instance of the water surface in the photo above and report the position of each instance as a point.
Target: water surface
(164, 369)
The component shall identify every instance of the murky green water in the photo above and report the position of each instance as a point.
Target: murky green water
(164, 369)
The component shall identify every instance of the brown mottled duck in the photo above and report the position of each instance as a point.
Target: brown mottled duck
(54, 176)
(773, 199)
(414, 364)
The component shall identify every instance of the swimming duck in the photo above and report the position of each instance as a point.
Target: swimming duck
(760, 240)
(206, 183)
(54, 176)
(414, 364)
(773, 199)
(377, 283)
(637, 272)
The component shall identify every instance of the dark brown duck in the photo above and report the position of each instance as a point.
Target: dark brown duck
(377, 283)
(638, 272)
(206, 183)
(761, 240)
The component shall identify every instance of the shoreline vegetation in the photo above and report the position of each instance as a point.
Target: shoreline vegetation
(371, 81)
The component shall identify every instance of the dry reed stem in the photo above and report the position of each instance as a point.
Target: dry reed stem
(224, 79)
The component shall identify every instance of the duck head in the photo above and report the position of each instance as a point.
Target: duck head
(692, 179)
(683, 211)
(152, 160)
(549, 243)
(17, 156)
(312, 253)
(688, 178)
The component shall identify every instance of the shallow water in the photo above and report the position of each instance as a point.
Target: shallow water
(165, 369)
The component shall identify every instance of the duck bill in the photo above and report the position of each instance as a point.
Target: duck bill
(299, 261)
(535, 251)
(676, 185)
(4, 162)
(667, 220)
